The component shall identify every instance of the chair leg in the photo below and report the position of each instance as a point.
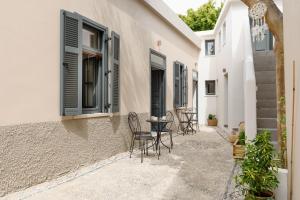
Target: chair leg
(153, 146)
(142, 149)
(147, 148)
(131, 146)
(171, 139)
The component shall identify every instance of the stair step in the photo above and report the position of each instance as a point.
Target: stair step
(272, 130)
(266, 113)
(265, 67)
(265, 77)
(266, 123)
(264, 59)
(266, 94)
(266, 103)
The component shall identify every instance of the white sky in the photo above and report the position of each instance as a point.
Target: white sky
(181, 6)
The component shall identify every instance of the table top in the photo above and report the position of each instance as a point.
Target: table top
(158, 121)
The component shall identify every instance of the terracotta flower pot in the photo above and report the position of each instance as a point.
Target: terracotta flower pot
(263, 196)
(212, 122)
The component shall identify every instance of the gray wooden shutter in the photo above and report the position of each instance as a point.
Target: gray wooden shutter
(106, 76)
(115, 72)
(71, 68)
(176, 84)
(185, 86)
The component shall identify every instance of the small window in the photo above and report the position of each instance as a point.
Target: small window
(224, 33)
(210, 87)
(210, 47)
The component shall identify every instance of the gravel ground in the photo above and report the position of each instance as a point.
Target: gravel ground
(200, 167)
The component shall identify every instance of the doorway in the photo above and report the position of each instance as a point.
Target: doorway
(158, 106)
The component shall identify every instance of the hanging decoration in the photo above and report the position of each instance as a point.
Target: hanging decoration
(259, 25)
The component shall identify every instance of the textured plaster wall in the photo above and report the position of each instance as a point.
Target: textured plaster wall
(34, 153)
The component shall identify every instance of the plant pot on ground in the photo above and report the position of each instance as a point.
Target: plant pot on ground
(212, 120)
(258, 175)
(239, 146)
(233, 136)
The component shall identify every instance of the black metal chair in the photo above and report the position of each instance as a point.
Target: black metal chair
(142, 136)
(169, 126)
(182, 120)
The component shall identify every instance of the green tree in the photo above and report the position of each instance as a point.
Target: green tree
(204, 18)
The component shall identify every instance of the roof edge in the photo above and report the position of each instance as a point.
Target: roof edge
(167, 14)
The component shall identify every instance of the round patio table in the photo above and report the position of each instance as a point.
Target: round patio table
(160, 125)
(189, 116)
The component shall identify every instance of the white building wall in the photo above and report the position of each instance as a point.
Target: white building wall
(228, 62)
(292, 54)
(207, 69)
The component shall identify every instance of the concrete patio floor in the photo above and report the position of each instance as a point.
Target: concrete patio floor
(199, 167)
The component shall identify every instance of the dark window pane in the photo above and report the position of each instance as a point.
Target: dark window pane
(210, 87)
(90, 37)
(210, 47)
(89, 80)
(116, 48)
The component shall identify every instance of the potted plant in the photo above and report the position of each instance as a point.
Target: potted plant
(258, 176)
(239, 146)
(212, 120)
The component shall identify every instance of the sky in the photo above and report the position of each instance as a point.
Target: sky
(181, 6)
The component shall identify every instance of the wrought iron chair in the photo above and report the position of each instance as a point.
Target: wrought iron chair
(169, 126)
(182, 120)
(142, 136)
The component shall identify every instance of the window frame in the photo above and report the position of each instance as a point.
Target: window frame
(102, 69)
(206, 47)
(206, 87)
(101, 65)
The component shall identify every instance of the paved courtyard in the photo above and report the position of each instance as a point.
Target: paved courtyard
(199, 167)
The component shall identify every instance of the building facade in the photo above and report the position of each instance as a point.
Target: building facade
(74, 69)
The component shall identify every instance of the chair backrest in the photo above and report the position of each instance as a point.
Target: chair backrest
(169, 117)
(134, 122)
(180, 115)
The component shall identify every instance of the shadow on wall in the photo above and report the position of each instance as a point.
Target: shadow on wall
(78, 127)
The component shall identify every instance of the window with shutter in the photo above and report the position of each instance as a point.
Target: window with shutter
(180, 82)
(83, 65)
(185, 87)
(70, 66)
(176, 85)
(115, 72)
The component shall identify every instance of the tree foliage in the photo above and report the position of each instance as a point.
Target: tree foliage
(204, 18)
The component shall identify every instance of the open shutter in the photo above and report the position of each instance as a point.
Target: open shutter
(115, 72)
(176, 83)
(185, 86)
(107, 71)
(71, 69)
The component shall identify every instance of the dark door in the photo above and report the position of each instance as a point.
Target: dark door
(157, 93)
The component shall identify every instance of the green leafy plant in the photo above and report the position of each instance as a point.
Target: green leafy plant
(242, 138)
(258, 176)
(203, 18)
(212, 117)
